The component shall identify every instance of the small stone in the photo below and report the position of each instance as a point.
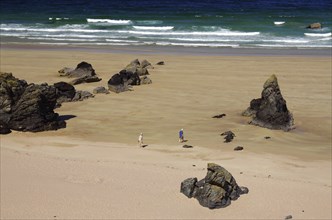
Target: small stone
(229, 136)
(241, 172)
(238, 148)
(219, 116)
(194, 165)
(187, 146)
(160, 63)
(289, 217)
(267, 137)
(268, 176)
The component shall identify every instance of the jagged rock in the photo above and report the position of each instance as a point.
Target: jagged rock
(270, 111)
(216, 190)
(4, 128)
(145, 80)
(314, 26)
(229, 136)
(100, 89)
(160, 63)
(123, 81)
(140, 69)
(27, 107)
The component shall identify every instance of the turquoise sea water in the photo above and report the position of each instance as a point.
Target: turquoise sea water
(243, 24)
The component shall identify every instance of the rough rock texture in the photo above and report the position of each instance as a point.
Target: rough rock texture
(219, 116)
(145, 80)
(27, 107)
(216, 190)
(100, 89)
(270, 111)
(123, 81)
(238, 148)
(84, 73)
(314, 26)
(67, 93)
(229, 136)
(140, 68)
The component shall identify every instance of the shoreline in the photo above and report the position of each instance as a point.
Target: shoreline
(175, 50)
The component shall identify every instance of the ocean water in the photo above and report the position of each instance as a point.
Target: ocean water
(183, 23)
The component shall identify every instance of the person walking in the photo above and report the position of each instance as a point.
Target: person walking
(181, 137)
(140, 140)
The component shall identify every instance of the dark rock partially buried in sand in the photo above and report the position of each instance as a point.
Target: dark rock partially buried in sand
(219, 116)
(100, 89)
(229, 136)
(238, 148)
(216, 190)
(270, 111)
(27, 107)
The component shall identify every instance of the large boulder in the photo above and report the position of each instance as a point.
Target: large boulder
(65, 92)
(123, 81)
(270, 111)
(216, 190)
(27, 107)
(84, 73)
(141, 68)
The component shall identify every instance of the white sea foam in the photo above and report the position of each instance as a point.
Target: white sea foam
(318, 34)
(279, 22)
(161, 28)
(217, 33)
(109, 21)
(195, 44)
(124, 41)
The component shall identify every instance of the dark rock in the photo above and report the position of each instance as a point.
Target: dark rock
(187, 146)
(67, 93)
(188, 187)
(82, 69)
(289, 217)
(100, 89)
(4, 128)
(270, 111)
(216, 190)
(314, 26)
(219, 116)
(123, 81)
(238, 148)
(146, 64)
(229, 136)
(267, 137)
(160, 63)
(27, 107)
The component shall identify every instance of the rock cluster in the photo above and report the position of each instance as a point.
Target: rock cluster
(216, 190)
(133, 74)
(65, 92)
(27, 107)
(270, 111)
(83, 73)
(229, 136)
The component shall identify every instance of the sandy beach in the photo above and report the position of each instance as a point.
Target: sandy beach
(93, 169)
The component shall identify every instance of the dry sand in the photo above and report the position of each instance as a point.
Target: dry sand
(94, 169)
